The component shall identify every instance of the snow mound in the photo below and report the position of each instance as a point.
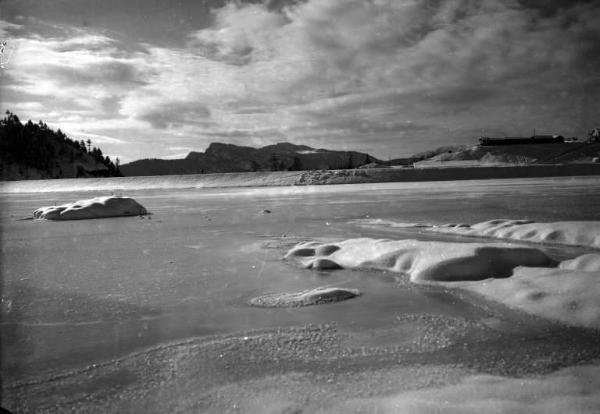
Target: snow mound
(92, 208)
(317, 296)
(423, 261)
(577, 233)
(523, 278)
(587, 263)
(568, 294)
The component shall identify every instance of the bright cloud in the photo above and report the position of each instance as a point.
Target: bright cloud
(384, 76)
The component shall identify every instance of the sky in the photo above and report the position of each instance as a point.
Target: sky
(161, 78)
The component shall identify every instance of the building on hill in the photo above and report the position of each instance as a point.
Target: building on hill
(535, 139)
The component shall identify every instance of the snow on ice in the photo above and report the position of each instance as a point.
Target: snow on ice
(99, 207)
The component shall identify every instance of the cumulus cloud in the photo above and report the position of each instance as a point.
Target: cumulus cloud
(409, 60)
(394, 76)
(239, 34)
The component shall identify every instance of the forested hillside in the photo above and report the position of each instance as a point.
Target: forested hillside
(34, 151)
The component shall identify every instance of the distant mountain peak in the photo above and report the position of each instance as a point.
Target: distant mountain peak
(222, 157)
(287, 147)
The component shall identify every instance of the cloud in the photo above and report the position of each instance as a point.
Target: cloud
(239, 35)
(96, 138)
(7, 28)
(176, 113)
(391, 75)
(82, 70)
(107, 74)
(324, 48)
(253, 133)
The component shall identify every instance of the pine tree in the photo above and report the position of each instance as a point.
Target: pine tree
(37, 146)
(297, 164)
(274, 161)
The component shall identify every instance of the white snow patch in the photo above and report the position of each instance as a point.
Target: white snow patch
(520, 277)
(568, 294)
(577, 233)
(111, 206)
(423, 261)
(587, 263)
(569, 390)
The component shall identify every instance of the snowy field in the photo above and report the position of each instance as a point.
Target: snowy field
(467, 296)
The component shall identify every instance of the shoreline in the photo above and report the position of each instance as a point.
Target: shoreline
(299, 178)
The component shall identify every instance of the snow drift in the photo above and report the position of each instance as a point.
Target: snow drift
(578, 233)
(568, 294)
(586, 263)
(522, 278)
(112, 206)
(423, 261)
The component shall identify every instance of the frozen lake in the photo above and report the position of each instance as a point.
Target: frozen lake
(90, 292)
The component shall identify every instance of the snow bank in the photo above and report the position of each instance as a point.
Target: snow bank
(568, 294)
(586, 263)
(92, 208)
(423, 261)
(315, 296)
(570, 390)
(520, 277)
(578, 233)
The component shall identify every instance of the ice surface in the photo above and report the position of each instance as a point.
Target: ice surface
(112, 206)
(199, 290)
(423, 261)
(315, 296)
(570, 390)
(578, 233)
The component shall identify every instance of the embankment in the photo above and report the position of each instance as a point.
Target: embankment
(291, 178)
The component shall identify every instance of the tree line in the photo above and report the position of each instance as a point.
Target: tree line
(40, 147)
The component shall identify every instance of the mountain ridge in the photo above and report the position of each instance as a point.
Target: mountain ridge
(223, 157)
